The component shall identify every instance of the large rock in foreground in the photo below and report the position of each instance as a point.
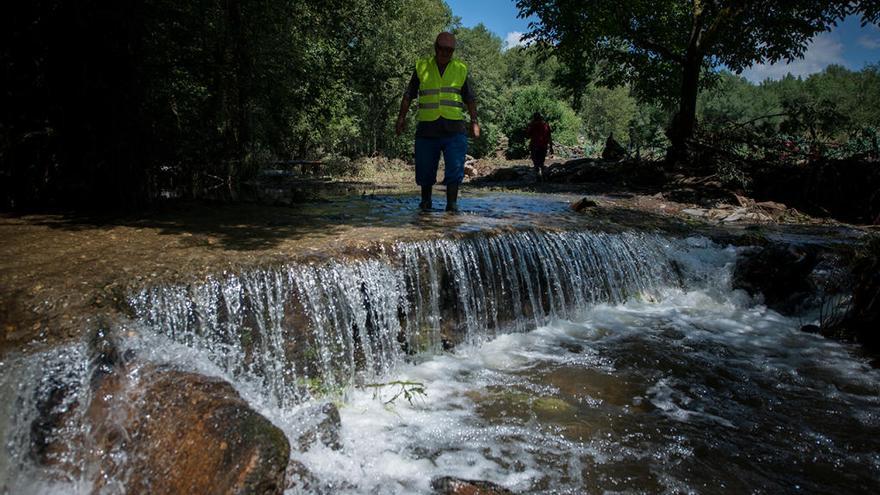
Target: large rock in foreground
(195, 434)
(126, 425)
(159, 430)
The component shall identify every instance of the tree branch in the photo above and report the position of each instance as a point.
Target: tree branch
(726, 14)
(647, 44)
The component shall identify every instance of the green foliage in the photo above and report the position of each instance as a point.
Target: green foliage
(607, 111)
(490, 136)
(125, 105)
(734, 99)
(661, 48)
(832, 113)
(529, 66)
(521, 103)
(869, 10)
(647, 133)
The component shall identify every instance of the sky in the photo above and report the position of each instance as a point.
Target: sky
(848, 44)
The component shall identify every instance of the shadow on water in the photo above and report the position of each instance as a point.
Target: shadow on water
(253, 227)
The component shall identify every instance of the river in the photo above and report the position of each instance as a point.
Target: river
(584, 363)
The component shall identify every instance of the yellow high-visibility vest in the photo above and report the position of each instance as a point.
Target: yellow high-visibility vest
(440, 96)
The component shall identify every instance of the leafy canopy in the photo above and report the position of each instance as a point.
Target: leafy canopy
(648, 43)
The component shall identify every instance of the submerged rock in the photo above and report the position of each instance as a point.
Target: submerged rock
(583, 203)
(810, 328)
(780, 273)
(861, 321)
(448, 485)
(319, 423)
(300, 479)
(551, 405)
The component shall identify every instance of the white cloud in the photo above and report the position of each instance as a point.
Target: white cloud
(824, 50)
(513, 38)
(869, 42)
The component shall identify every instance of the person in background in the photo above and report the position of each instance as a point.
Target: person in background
(442, 87)
(540, 140)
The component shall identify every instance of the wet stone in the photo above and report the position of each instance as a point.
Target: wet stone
(186, 433)
(299, 479)
(572, 347)
(811, 329)
(583, 203)
(448, 485)
(319, 423)
(186, 418)
(780, 273)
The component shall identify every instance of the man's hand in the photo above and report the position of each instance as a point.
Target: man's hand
(475, 129)
(401, 115)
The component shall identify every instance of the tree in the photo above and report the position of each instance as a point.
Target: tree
(527, 66)
(869, 10)
(661, 45)
(607, 111)
(733, 100)
(120, 103)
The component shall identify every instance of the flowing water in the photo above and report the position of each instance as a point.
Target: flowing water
(583, 363)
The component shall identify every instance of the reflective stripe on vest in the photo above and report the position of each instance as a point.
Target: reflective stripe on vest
(440, 96)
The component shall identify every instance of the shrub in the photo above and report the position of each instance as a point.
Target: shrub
(490, 135)
(518, 107)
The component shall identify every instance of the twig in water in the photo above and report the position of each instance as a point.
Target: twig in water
(409, 390)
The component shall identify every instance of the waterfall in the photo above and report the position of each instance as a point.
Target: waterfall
(45, 390)
(584, 360)
(300, 328)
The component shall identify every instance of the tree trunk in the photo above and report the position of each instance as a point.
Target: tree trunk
(687, 110)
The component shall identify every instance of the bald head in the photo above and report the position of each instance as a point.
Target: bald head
(444, 46)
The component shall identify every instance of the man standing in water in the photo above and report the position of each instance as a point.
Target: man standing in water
(443, 89)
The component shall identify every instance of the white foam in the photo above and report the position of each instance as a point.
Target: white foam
(397, 449)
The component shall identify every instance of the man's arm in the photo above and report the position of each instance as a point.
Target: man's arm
(412, 91)
(470, 101)
(401, 115)
(475, 126)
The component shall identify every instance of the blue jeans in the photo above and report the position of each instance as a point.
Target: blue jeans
(454, 148)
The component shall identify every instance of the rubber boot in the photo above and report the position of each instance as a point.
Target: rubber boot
(452, 197)
(425, 205)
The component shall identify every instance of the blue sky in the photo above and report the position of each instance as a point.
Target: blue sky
(848, 44)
